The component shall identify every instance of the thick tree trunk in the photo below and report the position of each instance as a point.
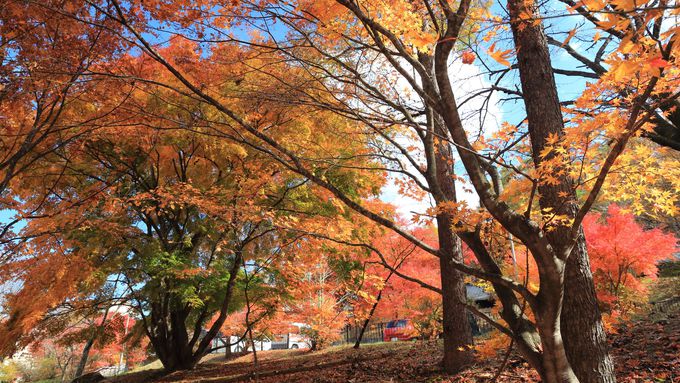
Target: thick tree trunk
(170, 339)
(175, 360)
(555, 366)
(584, 337)
(583, 333)
(457, 331)
(167, 329)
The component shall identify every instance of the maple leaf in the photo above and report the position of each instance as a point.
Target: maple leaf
(468, 57)
(658, 62)
(569, 37)
(499, 56)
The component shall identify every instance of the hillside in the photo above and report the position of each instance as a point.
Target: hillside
(644, 351)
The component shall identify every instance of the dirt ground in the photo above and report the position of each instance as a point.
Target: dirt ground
(644, 351)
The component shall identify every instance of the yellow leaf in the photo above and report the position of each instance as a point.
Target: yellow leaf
(499, 56)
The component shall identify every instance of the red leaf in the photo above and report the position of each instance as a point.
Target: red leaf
(658, 62)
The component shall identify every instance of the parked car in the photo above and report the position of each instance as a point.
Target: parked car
(399, 329)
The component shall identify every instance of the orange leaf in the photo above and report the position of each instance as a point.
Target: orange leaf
(499, 56)
(658, 62)
(468, 57)
(571, 34)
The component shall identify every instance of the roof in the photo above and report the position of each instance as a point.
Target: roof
(476, 293)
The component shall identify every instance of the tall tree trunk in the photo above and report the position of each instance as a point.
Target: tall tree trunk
(84, 356)
(583, 332)
(227, 350)
(457, 330)
(456, 326)
(584, 336)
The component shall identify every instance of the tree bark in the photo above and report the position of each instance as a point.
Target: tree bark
(227, 349)
(555, 367)
(457, 330)
(456, 326)
(584, 336)
(83, 357)
(583, 333)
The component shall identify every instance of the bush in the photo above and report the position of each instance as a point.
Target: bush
(9, 371)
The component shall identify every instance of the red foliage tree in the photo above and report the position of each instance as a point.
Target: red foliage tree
(622, 252)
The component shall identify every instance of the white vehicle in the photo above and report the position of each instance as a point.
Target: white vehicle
(292, 340)
(296, 339)
(237, 346)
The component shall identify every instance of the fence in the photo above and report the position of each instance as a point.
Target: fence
(374, 332)
(281, 342)
(667, 305)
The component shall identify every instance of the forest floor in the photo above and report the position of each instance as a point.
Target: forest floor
(644, 351)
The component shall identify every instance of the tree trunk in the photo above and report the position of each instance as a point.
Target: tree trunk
(171, 345)
(368, 319)
(555, 366)
(176, 360)
(583, 333)
(255, 361)
(440, 178)
(457, 330)
(227, 350)
(86, 350)
(584, 337)
(456, 326)
(84, 356)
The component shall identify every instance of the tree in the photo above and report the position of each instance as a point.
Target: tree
(47, 59)
(551, 248)
(608, 32)
(177, 216)
(622, 252)
(353, 59)
(418, 298)
(159, 226)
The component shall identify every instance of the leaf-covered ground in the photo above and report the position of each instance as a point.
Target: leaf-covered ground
(646, 351)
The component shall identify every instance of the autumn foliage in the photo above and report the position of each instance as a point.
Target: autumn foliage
(623, 255)
(226, 164)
